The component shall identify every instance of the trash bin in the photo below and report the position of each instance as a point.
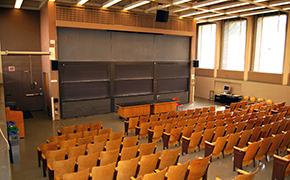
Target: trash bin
(14, 141)
(211, 95)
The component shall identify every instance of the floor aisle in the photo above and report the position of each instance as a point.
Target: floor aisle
(40, 127)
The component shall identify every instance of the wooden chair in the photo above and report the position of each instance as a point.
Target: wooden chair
(219, 132)
(129, 153)
(265, 130)
(105, 172)
(198, 168)
(76, 151)
(240, 126)
(85, 140)
(82, 127)
(154, 117)
(159, 175)
(66, 130)
(267, 119)
(57, 138)
(229, 120)
(255, 134)
(108, 157)
(96, 147)
(115, 136)
(45, 147)
(59, 168)
(50, 156)
(285, 142)
(142, 130)
(155, 134)
(156, 123)
(187, 131)
(147, 149)
(90, 133)
(96, 126)
(215, 148)
(259, 122)
(231, 142)
(168, 158)
(87, 161)
(67, 143)
(105, 131)
(243, 157)
(130, 141)
(197, 111)
(173, 114)
(210, 124)
(207, 136)
(201, 120)
(264, 147)
(250, 124)
(172, 138)
(74, 135)
(199, 127)
(177, 172)
(148, 163)
(237, 119)
(181, 113)
(211, 118)
(191, 122)
(143, 119)
(181, 124)
(189, 112)
(101, 138)
(80, 175)
(283, 125)
(243, 175)
(114, 144)
(246, 134)
(281, 167)
(274, 129)
(278, 138)
(220, 122)
(131, 124)
(127, 168)
(230, 128)
(192, 143)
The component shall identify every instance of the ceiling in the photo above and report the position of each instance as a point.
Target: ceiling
(201, 10)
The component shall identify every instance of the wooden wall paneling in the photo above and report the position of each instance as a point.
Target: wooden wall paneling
(230, 74)
(289, 79)
(204, 72)
(265, 77)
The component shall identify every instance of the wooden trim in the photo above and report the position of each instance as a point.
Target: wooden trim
(83, 25)
(289, 79)
(230, 74)
(265, 77)
(204, 72)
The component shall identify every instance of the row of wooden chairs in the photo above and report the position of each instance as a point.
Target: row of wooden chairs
(80, 128)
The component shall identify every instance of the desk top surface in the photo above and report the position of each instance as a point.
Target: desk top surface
(144, 102)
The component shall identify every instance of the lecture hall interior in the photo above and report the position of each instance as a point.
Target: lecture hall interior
(220, 68)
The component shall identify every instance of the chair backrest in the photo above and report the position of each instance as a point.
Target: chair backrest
(177, 172)
(247, 176)
(168, 127)
(187, 131)
(265, 130)
(230, 128)
(240, 126)
(173, 114)
(275, 144)
(198, 167)
(127, 168)
(285, 142)
(265, 144)
(250, 124)
(211, 118)
(219, 146)
(101, 138)
(212, 108)
(74, 135)
(48, 146)
(189, 112)
(220, 122)
(199, 127)
(232, 141)
(85, 140)
(107, 157)
(244, 138)
(129, 152)
(57, 138)
(181, 113)
(90, 133)
(201, 120)
(143, 119)
(144, 129)
(67, 143)
(207, 136)
(96, 126)
(219, 132)
(251, 152)
(174, 136)
(67, 129)
(55, 155)
(181, 123)
(197, 111)
(158, 132)
(156, 176)
(76, 151)
(106, 131)
(169, 158)
(130, 141)
(104, 172)
(117, 135)
(274, 128)
(194, 140)
(259, 121)
(96, 147)
(64, 166)
(255, 134)
(82, 127)
(87, 161)
(155, 123)
(148, 163)
(80, 175)
(210, 124)
(147, 148)
(114, 144)
(283, 125)
(154, 117)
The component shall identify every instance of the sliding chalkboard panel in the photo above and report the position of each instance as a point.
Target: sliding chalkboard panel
(133, 87)
(172, 85)
(173, 70)
(132, 70)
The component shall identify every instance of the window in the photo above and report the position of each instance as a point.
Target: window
(270, 44)
(206, 46)
(234, 44)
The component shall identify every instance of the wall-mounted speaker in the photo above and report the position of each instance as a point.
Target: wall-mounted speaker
(162, 16)
(195, 63)
(54, 65)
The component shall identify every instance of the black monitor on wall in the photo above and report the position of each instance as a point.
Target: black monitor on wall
(162, 16)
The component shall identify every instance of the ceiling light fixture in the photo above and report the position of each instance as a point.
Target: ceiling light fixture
(191, 14)
(81, 2)
(136, 4)
(18, 4)
(207, 3)
(180, 2)
(110, 3)
(228, 5)
(257, 12)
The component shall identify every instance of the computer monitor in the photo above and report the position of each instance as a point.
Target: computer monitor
(227, 89)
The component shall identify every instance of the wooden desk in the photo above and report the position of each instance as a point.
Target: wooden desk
(127, 110)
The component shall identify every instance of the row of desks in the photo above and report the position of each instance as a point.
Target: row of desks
(127, 110)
